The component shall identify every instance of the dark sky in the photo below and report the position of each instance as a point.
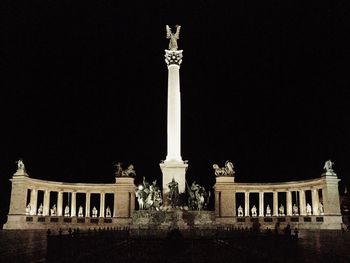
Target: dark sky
(264, 84)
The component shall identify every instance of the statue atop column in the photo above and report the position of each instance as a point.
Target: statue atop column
(21, 170)
(173, 37)
(328, 168)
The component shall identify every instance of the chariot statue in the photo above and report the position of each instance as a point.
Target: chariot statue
(198, 197)
(224, 171)
(173, 37)
(129, 172)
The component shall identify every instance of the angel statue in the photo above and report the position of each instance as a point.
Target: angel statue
(173, 37)
(328, 166)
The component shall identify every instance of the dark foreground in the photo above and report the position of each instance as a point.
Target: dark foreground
(223, 246)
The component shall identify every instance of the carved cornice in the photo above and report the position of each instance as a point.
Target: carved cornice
(173, 57)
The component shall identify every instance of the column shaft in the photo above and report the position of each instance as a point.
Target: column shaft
(302, 202)
(246, 201)
(275, 203)
(102, 204)
(261, 203)
(33, 201)
(73, 209)
(289, 203)
(87, 205)
(115, 205)
(46, 204)
(60, 203)
(315, 201)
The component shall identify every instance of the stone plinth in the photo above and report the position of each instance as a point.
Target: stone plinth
(124, 197)
(176, 170)
(225, 203)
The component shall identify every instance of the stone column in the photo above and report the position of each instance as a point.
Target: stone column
(87, 205)
(33, 201)
(289, 204)
(275, 203)
(115, 205)
(234, 204)
(315, 201)
(46, 210)
(246, 203)
(73, 210)
(302, 203)
(132, 205)
(60, 203)
(102, 204)
(261, 203)
(330, 195)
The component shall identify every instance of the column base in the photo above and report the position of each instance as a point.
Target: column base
(176, 170)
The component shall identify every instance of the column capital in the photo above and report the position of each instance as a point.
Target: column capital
(173, 57)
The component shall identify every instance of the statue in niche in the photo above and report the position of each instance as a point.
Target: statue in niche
(66, 211)
(295, 210)
(281, 210)
(268, 210)
(173, 37)
(198, 197)
(320, 208)
(328, 166)
(129, 172)
(240, 211)
(94, 212)
(173, 193)
(108, 212)
(28, 208)
(80, 211)
(308, 209)
(224, 171)
(253, 210)
(53, 210)
(20, 165)
(40, 210)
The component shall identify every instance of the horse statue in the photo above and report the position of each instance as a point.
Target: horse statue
(224, 171)
(198, 198)
(149, 196)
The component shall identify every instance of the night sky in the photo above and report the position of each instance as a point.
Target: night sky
(264, 84)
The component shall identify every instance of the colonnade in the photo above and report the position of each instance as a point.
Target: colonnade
(300, 202)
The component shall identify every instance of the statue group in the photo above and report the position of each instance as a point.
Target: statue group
(149, 196)
(198, 197)
(120, 172)
(224, 171)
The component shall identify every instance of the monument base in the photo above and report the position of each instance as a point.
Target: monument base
(173, 170)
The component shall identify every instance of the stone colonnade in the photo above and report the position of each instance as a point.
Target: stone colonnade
(23, 205)
(324, 199)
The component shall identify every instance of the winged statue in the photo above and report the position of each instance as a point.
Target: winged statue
(173, 37)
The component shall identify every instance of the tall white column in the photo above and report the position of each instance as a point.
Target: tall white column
(33, 201)
(315, 201)
(102, 204)
(261, 203)
(289, 203)
(87, 205)
(275, 203)
(302, 203)
(246, 202)
(74, 204)
(46, 205)
(59, 203)
(173, 166)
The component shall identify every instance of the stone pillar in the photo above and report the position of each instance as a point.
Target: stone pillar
(289, 204)
(315, 201)
(115, 205)
(73, 209)
(246, 203)
(234, 204)
(87, 205)
(132, 202)
(33, 201)
(275, 203)
(261, 203)
(60, 203)
(330, 195)
(102, 204)
(125, 193)
(46, 210)
(302, 203)
(217, 204)
(18, 200)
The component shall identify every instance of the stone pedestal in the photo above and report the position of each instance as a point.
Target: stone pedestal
(225, 203)
(124, 197)
(330, 194)
(176, 170)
